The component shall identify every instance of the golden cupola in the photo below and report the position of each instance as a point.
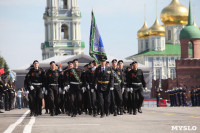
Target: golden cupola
(143, 32)
(174, 14)
(157, 29)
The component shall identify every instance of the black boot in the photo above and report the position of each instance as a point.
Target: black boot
(140, 110)
(134, 112)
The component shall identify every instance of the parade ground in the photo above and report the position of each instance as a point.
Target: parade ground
(152, 120)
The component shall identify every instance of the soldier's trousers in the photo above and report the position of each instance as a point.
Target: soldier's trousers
(75, 98)
(38, 99)
(138, 98)
(183, 100)
(125, 99)
(7, 101)
(158, 99)
(53, 98)
(46, 102)
(116, 99)
(104, 101)
(179, 100)
(94, 101)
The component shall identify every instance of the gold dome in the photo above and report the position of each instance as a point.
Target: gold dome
(142, 33)
(156, 29)
(174, 14)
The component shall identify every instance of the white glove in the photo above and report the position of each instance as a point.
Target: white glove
(31, 87)
(63, 92)
(131, 90)
(44, 89)
(127, 89)
(111, 88)
(95, 86)
(122, 90)
(92, 90)
(145, 89)
(83, 89)
(27, 92)
(45, 92)
(66, 88)
(60, 90)
(88, 87)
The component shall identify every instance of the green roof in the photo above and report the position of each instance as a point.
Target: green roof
(170, 49)
(190, 31)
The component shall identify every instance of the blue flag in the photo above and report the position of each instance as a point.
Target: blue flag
(96, 44)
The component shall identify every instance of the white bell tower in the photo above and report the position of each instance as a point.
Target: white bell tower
(62, 29)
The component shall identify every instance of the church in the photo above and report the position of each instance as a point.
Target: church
(159, 45)
(62, 29)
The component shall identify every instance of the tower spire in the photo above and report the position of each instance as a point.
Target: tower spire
(190, 22)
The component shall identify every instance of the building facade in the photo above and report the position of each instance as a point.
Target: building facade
(62, 29)
(159, 46)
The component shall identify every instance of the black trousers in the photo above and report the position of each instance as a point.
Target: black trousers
(94, 101)
(125, 99)
(75, 98)
(104, 100)
(53, 98)
(158, 99)
(116, 98)
(137, 98)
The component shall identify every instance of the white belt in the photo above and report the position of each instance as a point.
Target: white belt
(75, 83)
(137, 83)
(36, 83)
(53, 84)
(116, 83)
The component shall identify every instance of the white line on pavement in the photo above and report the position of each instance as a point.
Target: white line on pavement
(12, 127)
(28, 127)
(61, 125)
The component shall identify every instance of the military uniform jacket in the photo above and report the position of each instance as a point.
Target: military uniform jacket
(89, 78)
(104, 80)
(121, 77)
(36, 76)
(135, 77)
(2, 87)
(70, 77)
(52, 78)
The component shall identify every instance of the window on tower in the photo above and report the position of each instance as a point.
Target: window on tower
(169, 35)
(64, 4)
(158, 76)
(64, 32)
(172, 74)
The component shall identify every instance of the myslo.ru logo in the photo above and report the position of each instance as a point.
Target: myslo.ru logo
(183, 128)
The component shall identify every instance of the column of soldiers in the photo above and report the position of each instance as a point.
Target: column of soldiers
(7, 96)
(96, 90)
(178, 96)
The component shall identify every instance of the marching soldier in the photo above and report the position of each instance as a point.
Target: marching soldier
(179, 94)
(136, 83)
(35, 82)
(91, 88)
(184, 95)
(116, 94)
(74, 84)
(158, 91)
(104, 80)
(2, 87)
(52, 85)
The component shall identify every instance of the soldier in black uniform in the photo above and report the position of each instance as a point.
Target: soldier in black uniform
(179, 96)
(116, 94)
(184, 95)
(2, 87)
(158, 91)
(136, 84)
(104, 80)
(35, 82)
(92, 90)
(75, 91)
(52, 85)
(7, 97)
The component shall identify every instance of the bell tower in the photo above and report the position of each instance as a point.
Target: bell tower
(62, 29)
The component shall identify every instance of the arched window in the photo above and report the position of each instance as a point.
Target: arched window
(147, 45)
(172, 74)
(64, 4)
(64, 32)
(158, 74)
(153, 45)
(169, 35)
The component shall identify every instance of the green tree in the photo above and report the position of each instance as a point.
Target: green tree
(4, 65)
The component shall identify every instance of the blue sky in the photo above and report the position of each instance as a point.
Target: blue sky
(22, 26)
